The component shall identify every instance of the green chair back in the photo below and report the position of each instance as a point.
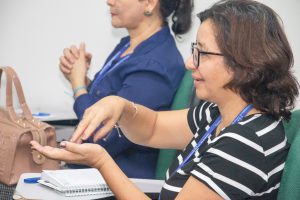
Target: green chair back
(292, 126)
(180, 101)
(290, 181)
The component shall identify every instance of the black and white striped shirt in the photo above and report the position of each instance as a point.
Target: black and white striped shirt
(245, 161)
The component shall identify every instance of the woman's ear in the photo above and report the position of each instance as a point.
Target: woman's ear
(151, 5)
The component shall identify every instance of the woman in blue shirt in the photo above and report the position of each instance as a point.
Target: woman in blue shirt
(145, 67)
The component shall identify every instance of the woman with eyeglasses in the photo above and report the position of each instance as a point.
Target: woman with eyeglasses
(233, 143)
(145, 67)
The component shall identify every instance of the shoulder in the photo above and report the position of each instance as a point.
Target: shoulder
(161, 48)
(157, 55)
(258, 134)
(155, 66)
(246, 158)
(261, 128)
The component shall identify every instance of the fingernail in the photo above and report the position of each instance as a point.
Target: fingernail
(63, 144)
(84, 137)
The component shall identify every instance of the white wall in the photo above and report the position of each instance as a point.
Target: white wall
(35, 32)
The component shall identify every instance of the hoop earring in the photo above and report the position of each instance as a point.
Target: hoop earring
(147, 13)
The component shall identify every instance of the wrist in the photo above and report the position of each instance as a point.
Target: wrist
(129, 113)
(103, 159)
(79, 90)
(77, 81)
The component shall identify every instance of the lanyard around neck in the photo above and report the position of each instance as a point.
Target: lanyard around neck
(241, 115)
(109, 66)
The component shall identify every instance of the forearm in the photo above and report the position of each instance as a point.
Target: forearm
(79, 86)
(118, 182)
(137, 122)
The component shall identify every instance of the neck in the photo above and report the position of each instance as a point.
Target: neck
(230, 109)
(143, 32)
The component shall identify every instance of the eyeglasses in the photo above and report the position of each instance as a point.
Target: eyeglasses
(196, 54)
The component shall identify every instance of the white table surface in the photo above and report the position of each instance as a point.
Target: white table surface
(38, 191)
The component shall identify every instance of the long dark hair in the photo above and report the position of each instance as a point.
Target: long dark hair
(182, 14)
(256, 49)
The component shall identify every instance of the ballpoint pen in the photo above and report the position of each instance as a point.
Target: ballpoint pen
(41, 114)
(32, 180)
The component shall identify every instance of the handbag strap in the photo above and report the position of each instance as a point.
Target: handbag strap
(26, 111)
(38, 134)
(9, 108)
(13, 79)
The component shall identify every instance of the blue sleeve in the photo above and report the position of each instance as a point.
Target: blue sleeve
(146, 88)
(82, 103)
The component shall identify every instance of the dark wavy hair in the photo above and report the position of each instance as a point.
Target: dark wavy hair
(182, 14)
(255, 47)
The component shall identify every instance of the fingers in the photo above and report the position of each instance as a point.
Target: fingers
(90, 122)
(66, 61)
(69, 56)
(104, 130)
(88, 154)
(77, 135)
(93, 124)
(71, 147)
(88, 58)
(74, 51)
(64, 65)
(54, 153)
(86, 127)
(82, 50)
(47, 151)
(102, 112)
(35, 145)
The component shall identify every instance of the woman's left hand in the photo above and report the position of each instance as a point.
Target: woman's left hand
(92, 155)
(78, 73)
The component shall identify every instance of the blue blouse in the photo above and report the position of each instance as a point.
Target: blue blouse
(150, 77)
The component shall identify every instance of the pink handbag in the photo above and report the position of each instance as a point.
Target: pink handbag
(16, 131)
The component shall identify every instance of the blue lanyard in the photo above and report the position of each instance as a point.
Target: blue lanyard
(109, 66)
(242, 114)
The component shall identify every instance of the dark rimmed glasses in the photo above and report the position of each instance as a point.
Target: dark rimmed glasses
(196, 54)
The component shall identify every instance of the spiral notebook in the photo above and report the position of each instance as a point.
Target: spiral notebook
(75, 182)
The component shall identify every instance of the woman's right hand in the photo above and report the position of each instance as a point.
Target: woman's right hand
(69, 57)
(106, 112)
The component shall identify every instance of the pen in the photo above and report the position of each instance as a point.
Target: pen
(32, 180)
(41, 114)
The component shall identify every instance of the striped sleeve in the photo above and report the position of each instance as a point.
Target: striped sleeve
(201, 115)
